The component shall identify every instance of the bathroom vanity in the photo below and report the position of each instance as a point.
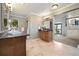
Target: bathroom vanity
(46, 31)
(45, 35)
(13, 44)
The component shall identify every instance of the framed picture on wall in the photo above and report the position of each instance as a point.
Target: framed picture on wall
(73, 21)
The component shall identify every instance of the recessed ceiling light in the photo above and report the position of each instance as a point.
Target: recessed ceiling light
(55, 6)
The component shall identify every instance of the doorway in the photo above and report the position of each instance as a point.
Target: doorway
(58, 28)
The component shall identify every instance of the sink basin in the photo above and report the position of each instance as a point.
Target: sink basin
(14, 32)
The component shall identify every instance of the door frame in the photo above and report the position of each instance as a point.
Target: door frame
(58, 29)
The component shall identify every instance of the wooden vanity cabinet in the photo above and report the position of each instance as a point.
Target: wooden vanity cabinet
(45, 35)
(15, 46)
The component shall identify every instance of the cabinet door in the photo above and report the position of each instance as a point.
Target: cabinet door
(46, 35)
(13, 46)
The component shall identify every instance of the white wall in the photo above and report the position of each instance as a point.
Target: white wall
(34, 24)
(73, 14)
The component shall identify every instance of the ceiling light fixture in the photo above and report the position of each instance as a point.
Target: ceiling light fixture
(55, 6)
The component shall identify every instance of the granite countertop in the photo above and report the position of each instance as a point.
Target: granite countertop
(13, 34)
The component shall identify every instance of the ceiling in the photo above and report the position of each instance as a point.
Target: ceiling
(40, 9)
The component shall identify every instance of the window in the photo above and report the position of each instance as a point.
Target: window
(14, 23)
(58, 28)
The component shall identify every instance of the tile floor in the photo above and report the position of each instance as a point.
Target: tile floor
(38, 47)
(65, 40)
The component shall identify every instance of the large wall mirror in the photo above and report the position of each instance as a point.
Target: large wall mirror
(5, 18)
(47, 24)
